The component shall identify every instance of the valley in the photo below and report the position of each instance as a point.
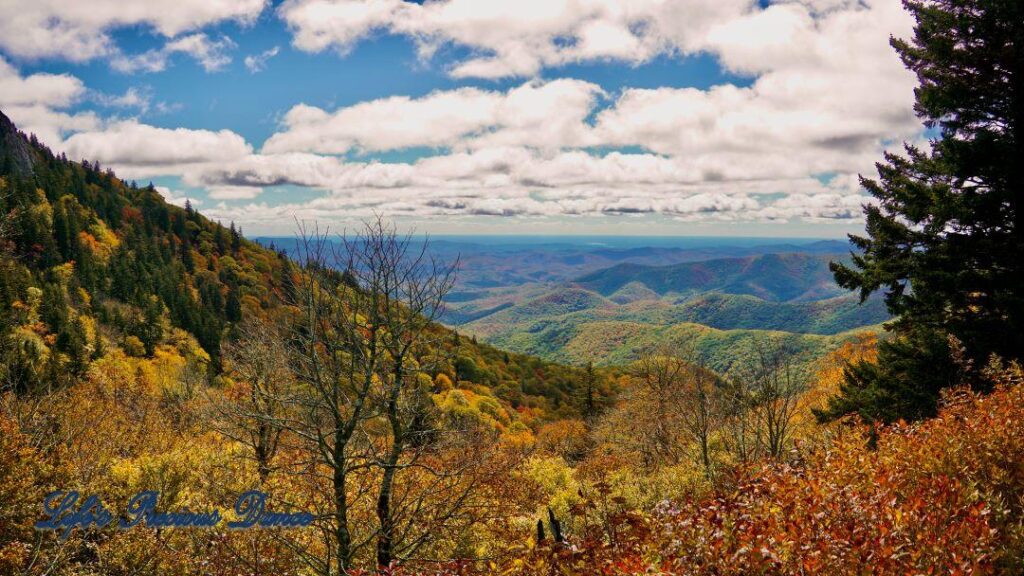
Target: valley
(607, 300)
(597, 302)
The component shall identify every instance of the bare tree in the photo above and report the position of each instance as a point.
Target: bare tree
(255, 411)
(772, 387)
(410, 286)
(659, 379)
(672, 410)
(701, 410)
(738, 419)
(334, 356)
(349, 385)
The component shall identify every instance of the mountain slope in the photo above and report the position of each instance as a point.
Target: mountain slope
(91, 264)
(619, 342)
(612, 315)
(772, 277)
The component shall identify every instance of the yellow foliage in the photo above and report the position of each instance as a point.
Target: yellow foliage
(133, 346)
(557, 482)
(468, 407)
(105, 240)
(63, 272)
(442, 383)
(825, 383)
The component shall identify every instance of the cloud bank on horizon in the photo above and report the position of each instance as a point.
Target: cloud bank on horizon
(513, 113)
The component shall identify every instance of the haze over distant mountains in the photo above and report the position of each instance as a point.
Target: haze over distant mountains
(606, 300)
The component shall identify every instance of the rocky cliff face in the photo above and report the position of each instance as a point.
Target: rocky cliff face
(14, 147)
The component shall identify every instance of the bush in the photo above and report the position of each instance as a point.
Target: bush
(941, 496)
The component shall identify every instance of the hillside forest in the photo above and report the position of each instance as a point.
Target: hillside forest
(144, 347)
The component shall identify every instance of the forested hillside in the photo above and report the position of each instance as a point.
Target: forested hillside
(92, 263)
(612, 316)
(144, 346)
(733, 412)
(771, 277)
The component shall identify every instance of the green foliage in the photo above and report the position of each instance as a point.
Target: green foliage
(615, 343)
(146, 267)
(945, 237)
(772, 277)
(93, 244)
(895, 386)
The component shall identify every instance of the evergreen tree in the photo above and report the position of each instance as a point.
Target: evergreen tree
(236, 239)
(71, 341)
(233, 306)
(588, 391)
(98, 350)
(221, 240)
(151, 328)
(944, 240)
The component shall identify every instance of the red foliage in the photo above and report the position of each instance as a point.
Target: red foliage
(131, 215)
(940, 497)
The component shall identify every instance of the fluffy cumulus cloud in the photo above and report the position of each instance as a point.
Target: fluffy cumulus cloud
(142, 149)
(37, 103)
(522, 38)
(547, 114)
(80, 31)
(211, 54)
(175, 197)
(513, 38)
(826, 96)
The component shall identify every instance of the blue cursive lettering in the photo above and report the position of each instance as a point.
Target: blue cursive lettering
(65, 511)
(63, 515)
(251, 510)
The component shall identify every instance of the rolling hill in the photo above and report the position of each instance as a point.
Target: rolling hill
(91, 265)
(613, 315)
(771, 277)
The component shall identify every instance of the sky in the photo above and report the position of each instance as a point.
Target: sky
(598, 117)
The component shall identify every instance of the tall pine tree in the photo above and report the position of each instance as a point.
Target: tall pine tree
(944, 239)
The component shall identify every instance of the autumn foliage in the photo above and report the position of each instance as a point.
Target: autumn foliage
(940, 497)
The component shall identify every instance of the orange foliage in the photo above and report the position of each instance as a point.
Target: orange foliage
(21, 488)
(943, 496)
(830, 370)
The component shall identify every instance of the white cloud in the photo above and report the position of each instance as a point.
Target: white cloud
(826, 94)
(547, 114)
(175, 197)
(133, 98)
(35, 103)
(439, 119)
(514, 38)
(140, 149)
(234, 192)
(57, 90)
(257, 62)
(212, 55)
(79, 31)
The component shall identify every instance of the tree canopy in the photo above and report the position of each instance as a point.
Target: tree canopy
(945, 233)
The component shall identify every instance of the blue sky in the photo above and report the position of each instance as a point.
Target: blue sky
(691, 117)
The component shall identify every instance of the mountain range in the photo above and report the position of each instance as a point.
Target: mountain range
(723, 305)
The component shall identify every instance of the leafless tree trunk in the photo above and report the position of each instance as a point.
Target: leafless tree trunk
(661, 377)
(774, 391)
(738, 404)
(360, 353)
(701, 410)
(335, 356)
(410, 287)
(255, 412)
(671, 412)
